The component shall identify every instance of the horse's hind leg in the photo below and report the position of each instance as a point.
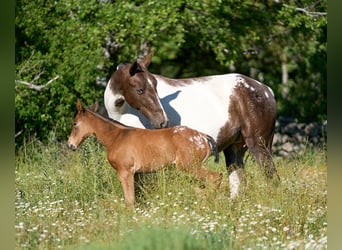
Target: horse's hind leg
(261, 151)
(235, 167)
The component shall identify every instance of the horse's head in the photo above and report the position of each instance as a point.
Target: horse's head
(80, 129)
(139, 88)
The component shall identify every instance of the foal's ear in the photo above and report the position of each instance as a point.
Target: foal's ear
(79, 106)
(95, 106)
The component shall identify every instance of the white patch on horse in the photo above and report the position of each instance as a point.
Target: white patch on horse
(239, 79)
(178, 129)
(234, 183)
(258, 82)
(202, 105)
(160, 104)
(266, 94)
(242, 82)
(270, 90)
(150, 81)
(110, 98)
(198, 140)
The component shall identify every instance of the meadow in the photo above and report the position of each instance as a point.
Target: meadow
(74, 200)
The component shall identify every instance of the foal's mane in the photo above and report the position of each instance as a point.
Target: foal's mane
(109, 120)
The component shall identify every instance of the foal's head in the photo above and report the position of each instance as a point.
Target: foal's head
(80, 128)
(139, 88)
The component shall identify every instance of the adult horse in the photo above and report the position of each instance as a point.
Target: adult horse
(237, 111)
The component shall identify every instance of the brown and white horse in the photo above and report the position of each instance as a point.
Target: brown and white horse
(237, 111)
(134, 150)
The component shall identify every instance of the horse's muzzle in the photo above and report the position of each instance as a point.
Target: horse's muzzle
(164, 124)
(72, 146)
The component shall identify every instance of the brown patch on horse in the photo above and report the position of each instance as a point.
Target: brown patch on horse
(251, 125)
(257, 131)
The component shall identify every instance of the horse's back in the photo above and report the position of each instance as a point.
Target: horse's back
(207, 103)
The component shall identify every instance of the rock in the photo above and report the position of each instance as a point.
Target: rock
(292, 137)
(288, 147)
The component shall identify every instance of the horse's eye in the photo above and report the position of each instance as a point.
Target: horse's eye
(140, 91)
(74, 124)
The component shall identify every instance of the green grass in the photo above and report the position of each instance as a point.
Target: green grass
(74, 200)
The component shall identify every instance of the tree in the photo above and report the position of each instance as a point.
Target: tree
(81, 42)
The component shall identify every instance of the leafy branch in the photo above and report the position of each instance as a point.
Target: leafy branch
(307, 12)
(37, 87)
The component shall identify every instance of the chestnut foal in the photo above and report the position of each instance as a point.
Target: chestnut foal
(133, 150)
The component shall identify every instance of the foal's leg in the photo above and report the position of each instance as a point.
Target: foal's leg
(235, 167)
(209, 176)
(127, 181)
(200, 172)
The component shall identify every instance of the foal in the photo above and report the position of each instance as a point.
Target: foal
(133, 150)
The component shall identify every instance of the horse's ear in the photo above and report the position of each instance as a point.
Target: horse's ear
(146, 61)
(79, 106)
(135, 68)
(139, 65)
(95, 106)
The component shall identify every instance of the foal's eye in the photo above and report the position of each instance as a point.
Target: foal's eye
(140, 91)
(74, 124)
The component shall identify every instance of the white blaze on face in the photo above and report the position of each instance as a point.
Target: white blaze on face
(158, 99)
(150, 82)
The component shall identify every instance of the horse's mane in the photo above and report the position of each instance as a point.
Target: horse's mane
(110, 120)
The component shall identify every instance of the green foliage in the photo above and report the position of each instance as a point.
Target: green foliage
(83, 41)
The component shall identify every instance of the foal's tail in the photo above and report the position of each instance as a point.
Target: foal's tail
(213, 147)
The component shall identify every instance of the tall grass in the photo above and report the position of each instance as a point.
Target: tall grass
(71, 200)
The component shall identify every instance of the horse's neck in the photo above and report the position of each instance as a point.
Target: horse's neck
(104, 130)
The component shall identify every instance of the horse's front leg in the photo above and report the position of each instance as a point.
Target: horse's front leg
(235, 166)
(127, 181)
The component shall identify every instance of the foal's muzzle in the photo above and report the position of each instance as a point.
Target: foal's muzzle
(72, 146)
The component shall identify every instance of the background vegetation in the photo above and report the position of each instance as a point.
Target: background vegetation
(73, 46)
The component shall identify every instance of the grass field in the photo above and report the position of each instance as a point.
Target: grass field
(74, 200)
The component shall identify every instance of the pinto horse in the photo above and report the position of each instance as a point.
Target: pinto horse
(237, 111)
(134, 150)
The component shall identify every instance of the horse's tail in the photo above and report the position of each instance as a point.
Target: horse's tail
(213, 147)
